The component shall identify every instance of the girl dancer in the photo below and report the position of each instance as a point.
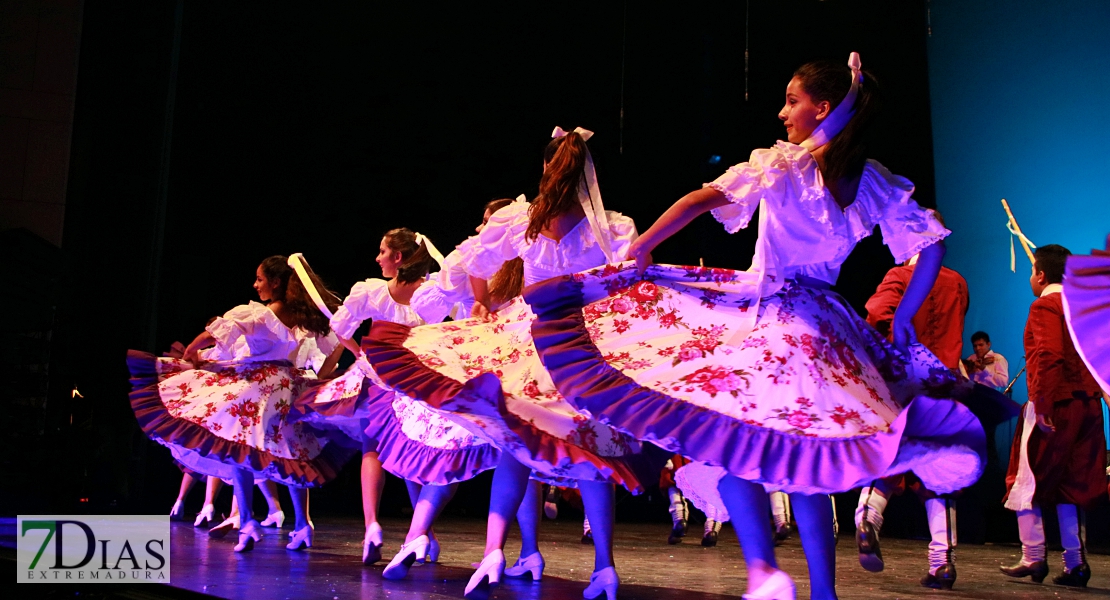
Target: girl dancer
(483, 373)
(396, 434)
(448, 292)
(221, 408)
(766, 375)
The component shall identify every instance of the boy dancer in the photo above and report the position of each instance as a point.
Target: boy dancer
(1058, 450)
(939, 326)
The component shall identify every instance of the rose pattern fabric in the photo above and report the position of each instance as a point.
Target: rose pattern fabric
(810, 366)
(243, 403)
(463, 350)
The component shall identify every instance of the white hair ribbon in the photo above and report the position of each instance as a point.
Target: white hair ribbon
(839, 117)
(521, 198)
(297, 262)
(432, 250)
(1017, 232)
(589, 195)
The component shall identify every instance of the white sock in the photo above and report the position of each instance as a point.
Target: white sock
(941, 513)
(1031, 533)
(780, 508)
(1073, 534)
(871, 506)
(585, 525)
(679, 511)
(711, 525)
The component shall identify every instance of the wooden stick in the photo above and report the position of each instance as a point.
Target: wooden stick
(1014, 224)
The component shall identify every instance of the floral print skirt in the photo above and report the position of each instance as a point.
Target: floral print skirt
(793, 390)
(413, 441)
(224, 416)
(487, 377)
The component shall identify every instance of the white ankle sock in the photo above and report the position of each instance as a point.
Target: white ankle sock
(871, 506)
(1073, 534)
(780, 508)
(941, 514)
(678, 508)
(1031, 533)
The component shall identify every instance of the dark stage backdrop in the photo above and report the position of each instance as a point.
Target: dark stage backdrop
(211, 135)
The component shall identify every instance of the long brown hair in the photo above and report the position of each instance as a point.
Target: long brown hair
(508, 281)
(297, 305)
(565, 160)
(415, 259)
(825, 80)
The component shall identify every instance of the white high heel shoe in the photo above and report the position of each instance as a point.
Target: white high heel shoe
(205, 516)
(248, 535)
(603, 581)
(487, 577)
(372, 544)
(177, 513)
(302, 538)
(411, 552)
(433, 551)
(225, 527)
(532, 564)
(779, 586)
(274, 519)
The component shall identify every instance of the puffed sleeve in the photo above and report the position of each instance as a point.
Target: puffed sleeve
(622, 232)
(361, 304)
(246, 330)
(501, 239)
(907, 228)
(436, 297)
(746, 183)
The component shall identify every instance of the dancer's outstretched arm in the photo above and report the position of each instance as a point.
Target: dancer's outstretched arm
(202, 341)
(921, 283)
(677, 216)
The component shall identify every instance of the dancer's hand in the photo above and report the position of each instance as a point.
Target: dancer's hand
(480, 311)
(1045, 424)
(640, 253)
(903, 332)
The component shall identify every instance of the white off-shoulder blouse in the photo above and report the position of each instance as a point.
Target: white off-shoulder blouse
(503, 238)
(802, 230)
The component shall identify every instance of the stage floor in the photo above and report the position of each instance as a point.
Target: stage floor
(649, 568)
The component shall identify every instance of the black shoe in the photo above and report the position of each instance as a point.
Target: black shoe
(943, 579)
(709, 539)
(782, 533)
(867, 538)
(1038, 570)
(1077, 577)
(588, 538)
(678, 532)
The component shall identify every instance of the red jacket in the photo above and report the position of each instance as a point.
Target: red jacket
(940, 322)
(1055, 371)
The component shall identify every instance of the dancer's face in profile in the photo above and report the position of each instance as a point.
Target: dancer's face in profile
(485, 219)
(388, 260)
(801, 114)
(265, 287)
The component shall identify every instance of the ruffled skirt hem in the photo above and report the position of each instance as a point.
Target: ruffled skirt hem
(203, 452)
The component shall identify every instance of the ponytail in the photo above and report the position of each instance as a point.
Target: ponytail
(565, 160)
(416, 261)
(295, 300)
(829, 81)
